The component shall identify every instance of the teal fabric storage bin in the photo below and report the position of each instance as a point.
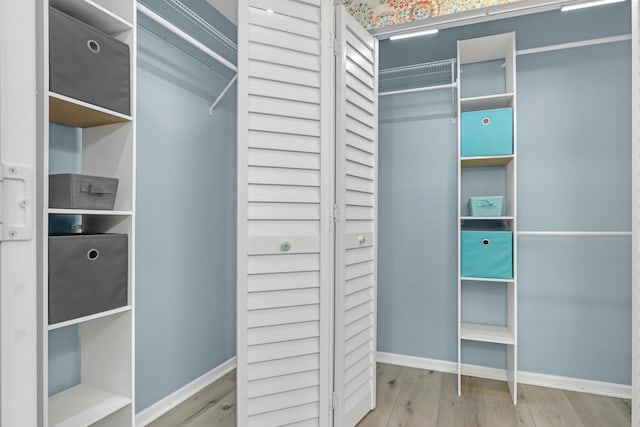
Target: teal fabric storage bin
(486, 133)
(485, 206)
(487, 254)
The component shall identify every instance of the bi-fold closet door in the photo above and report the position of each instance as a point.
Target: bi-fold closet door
(356, 233)
(306, 215)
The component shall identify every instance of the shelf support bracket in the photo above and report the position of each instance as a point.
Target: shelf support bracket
(222, 94)
(15, 202)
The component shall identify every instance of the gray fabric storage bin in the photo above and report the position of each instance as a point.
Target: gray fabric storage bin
(76, 191)
(88, 274)
(87, 64)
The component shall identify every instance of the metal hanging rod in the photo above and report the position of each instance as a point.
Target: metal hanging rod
(590, 42)
(575, 233)
(186, 37)
(418, 89)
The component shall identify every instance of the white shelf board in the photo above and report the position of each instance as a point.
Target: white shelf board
(489, 102)
(93, 14)
(483, 161)
(73, 112)
(486, 48)
(486, 218)
(57, 211)
(83, 405)
(90, 317)
(486, 333)
(485, 279)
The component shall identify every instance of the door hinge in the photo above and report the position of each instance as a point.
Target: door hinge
(336, 213)
(336, 47)
(15, 202)
(334, 401)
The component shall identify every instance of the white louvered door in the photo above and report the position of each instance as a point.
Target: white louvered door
(356, 236)
(285, 115)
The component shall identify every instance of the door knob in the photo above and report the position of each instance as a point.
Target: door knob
(285, 246)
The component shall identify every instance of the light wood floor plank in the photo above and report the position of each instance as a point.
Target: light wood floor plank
(596, 411)
(550, 407)
(408, 397)
(190, 408)
(459, 411)
(523, 412)
(389, 379)
(417, 402)
(221, 414)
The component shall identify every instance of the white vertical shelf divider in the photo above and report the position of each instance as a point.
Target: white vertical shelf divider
(635, 190)
(496, 47)
(105, 395)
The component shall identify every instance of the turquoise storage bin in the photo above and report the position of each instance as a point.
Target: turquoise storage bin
(487, 254)
(486, 133)
(485, 206)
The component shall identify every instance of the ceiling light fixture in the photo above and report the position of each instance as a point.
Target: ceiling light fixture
(269, 11)
(588, 4)
(416, 34)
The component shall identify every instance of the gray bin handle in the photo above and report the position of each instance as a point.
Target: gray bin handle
(95, 189)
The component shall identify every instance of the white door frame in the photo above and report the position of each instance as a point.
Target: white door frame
(19, 109)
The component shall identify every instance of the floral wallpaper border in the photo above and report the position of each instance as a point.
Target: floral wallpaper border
(378, 13)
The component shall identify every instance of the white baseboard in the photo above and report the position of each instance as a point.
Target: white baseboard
(166, 404)
(531, 378)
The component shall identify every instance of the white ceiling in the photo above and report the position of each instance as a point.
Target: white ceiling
(229, 8)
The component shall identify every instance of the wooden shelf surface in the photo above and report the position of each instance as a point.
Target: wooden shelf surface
(485, 161)
(83, 405)
(486, 333)
(76, 113)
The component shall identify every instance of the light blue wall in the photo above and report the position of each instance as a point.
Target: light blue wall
(186, 215)
(65, 144)
(574, 174)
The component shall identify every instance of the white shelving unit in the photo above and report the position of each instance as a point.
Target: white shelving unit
(478, 50)
(105, 395)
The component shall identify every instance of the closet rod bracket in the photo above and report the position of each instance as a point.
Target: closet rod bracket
(222, 94)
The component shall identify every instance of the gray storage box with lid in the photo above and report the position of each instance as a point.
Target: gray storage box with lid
(88, 274)
(75, 191)
(87, 64)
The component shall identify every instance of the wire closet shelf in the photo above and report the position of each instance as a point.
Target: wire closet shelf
(436, 74)
(202, 24)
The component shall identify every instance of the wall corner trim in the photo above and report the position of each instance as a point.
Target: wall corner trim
(622, 391)
(169, 402)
